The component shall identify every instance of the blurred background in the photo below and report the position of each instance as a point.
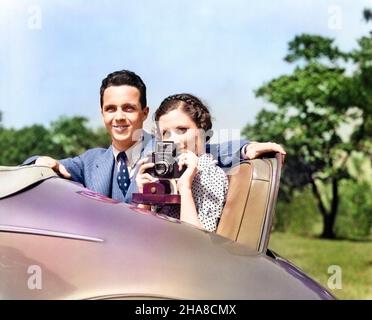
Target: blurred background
(295, 72)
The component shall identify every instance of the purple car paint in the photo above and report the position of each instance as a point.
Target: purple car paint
(89, 247)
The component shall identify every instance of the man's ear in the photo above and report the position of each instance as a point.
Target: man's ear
(145, 111)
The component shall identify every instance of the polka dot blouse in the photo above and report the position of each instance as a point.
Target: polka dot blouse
(209, 190)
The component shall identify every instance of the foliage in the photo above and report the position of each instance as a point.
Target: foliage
(66, 137)
(323, 113)
(103, 139)
(299, 216)
(354, 221)
(355, 217)
(17, 145)
(73, 136)
(312, 47)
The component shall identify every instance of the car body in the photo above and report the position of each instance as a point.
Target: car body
(84, 245)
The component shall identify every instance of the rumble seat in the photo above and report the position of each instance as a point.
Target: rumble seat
(15, 179)
(250, 204)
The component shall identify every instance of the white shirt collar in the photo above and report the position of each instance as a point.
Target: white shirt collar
(133, 153)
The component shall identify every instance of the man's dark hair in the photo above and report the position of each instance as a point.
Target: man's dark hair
(121, 78)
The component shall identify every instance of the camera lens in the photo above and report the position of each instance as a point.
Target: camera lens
(161, 168)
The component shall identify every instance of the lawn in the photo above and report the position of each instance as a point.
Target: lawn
(314, 256)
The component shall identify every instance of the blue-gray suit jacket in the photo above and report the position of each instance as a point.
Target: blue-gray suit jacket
(95, 167)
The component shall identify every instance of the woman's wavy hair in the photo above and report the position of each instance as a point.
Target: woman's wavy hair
(192, 106)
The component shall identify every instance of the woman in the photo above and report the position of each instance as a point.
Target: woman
(185, 120)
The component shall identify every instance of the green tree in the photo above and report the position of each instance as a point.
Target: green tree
(66, 137)
(103, 139)
(322, 115)
(18, 145)
(73, 136)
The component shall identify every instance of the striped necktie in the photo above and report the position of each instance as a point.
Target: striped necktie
(123, 174)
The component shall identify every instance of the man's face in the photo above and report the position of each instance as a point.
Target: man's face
(123, 115)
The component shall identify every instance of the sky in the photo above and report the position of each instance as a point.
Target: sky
(55, 53)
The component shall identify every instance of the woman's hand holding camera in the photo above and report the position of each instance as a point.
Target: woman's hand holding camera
(190, 160)
(142, 177)
(184, 183)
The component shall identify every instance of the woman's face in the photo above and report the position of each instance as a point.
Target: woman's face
(178, 127)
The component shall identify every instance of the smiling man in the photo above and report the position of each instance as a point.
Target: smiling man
(124, 109)
(123, 114)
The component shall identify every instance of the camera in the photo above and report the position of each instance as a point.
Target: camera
(164, 158)
(166, 170)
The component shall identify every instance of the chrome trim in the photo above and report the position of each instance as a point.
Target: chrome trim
(131, 296)
(50, 233)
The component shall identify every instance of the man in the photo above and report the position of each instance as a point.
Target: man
(124, 109)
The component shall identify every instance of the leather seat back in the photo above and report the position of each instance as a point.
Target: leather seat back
(250, 204)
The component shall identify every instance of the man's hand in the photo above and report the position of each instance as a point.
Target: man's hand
(255, 149)
(54, 164)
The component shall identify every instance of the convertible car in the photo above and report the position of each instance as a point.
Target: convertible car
(59, 240)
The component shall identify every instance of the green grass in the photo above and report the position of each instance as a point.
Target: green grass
(314, 256)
